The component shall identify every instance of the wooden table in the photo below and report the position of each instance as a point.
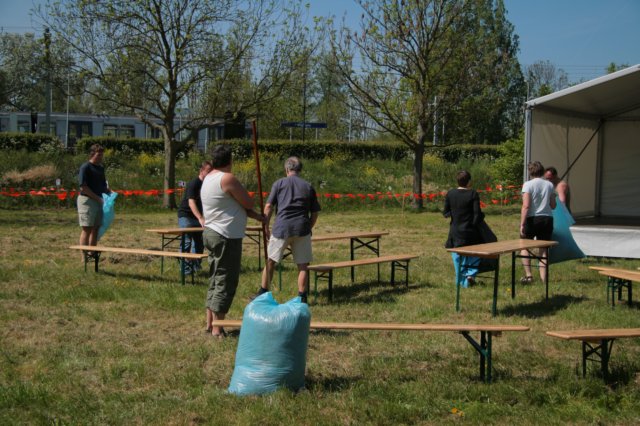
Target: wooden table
(493, 251)
(172, 235)
(357, 240)
(617, 279)
(596, 344)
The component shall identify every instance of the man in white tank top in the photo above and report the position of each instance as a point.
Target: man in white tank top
(225, 205)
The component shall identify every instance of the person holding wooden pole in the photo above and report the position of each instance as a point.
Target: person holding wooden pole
(226, 205)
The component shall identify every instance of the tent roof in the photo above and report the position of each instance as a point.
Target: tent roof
(604, 97)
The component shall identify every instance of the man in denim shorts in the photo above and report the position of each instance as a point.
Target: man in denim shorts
(297, 209)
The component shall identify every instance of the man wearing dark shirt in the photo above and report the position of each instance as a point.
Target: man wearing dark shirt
(92, 183)
(297, 211)
(190, 216)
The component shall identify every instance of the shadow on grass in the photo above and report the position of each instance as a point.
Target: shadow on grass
(541, 308)
(330, 384)
(620, 375)
(364, 292)
(167, 278)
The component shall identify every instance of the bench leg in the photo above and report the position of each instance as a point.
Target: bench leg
(496, 280)
(598, 352)
(326, 275)
(400, 264)
(182, 267)
(95, 256)
(615, 285)
(484, 350)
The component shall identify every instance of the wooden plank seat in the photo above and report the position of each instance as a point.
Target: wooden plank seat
(484, 346)
(325, 270)
(94, 252)
(596, 344)
(617, 280)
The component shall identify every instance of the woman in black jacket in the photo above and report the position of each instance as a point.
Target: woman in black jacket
(462, 205)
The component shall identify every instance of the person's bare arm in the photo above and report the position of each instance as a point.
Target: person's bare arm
(232, 186)
(314, 219)
(563, 192)
(526, 204)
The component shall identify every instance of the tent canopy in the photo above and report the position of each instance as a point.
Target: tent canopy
(591, 133)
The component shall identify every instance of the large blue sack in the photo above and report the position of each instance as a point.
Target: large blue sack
(108, 212)
(272, 348)
(567, 249)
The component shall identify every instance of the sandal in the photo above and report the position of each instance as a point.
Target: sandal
(220, 335)
(526, 280)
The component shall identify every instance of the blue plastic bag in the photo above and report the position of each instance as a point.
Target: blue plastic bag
(567, 249)
(108, 212)
(272, 348)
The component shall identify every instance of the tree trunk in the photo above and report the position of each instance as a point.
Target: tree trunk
(169, 199)
(417, 202)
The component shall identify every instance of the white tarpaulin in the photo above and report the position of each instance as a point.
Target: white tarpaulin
(592, 130)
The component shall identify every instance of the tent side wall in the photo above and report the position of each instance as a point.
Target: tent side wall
(557, 140)
(620, 188)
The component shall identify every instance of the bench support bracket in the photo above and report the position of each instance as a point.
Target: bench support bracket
(617, 284)
(89, 256)
(597, 352)
(484, 350)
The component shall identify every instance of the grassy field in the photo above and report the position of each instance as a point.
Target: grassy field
(126, 345)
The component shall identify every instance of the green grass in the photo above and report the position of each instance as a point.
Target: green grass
(126, 345)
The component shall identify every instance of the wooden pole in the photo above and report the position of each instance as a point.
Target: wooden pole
(254, 131)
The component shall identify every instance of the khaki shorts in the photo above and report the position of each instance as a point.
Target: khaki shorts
(89, 212)
(300, 247)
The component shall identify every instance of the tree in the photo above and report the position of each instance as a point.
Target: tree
(152, 58)
(613, 67)
(494, 114)
(410, 52)
(332, 98)
(263, 82)
(22, 58)
(544, 78)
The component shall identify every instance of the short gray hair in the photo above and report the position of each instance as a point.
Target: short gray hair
(293, 164)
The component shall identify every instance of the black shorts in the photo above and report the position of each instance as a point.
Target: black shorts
(538, 227)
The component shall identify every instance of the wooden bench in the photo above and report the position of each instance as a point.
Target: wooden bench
(93, 253)
(596, 344)
(325, 270)
(618, 279)
(484, 346)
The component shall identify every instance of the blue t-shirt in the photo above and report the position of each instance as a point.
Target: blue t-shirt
(294, 200)
(93, 176)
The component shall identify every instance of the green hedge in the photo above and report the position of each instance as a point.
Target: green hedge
(32, 142)
(243, 149)
(455, 153)
(317, 150)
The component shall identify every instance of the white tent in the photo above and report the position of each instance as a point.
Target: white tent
(591, 133)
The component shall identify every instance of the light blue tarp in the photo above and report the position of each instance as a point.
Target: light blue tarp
(108, 212)
(567, 249)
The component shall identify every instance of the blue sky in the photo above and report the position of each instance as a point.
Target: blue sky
(580, 36)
